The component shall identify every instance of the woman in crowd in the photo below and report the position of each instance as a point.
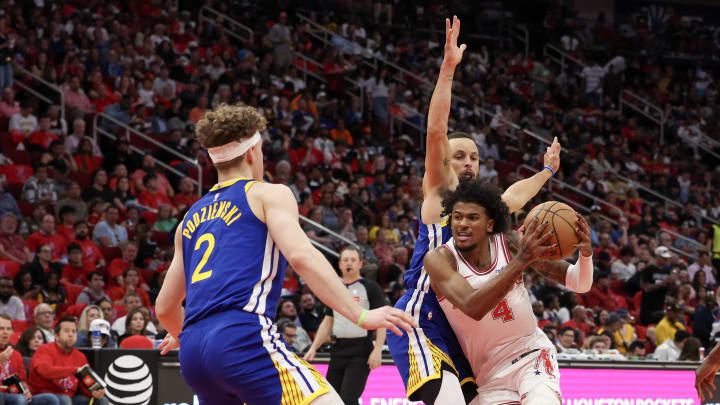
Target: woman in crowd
(29, 341)
(135, 325)
(52, 292)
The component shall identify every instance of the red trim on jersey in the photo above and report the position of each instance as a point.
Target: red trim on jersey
(487, 270)
(505, 248)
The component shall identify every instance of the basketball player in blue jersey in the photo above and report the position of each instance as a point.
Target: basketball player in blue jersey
(429, 358)
(229, 263)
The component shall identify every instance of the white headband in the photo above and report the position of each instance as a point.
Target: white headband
(230, 151)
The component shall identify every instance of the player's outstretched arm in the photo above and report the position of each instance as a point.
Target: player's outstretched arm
(438, 173)
(281, 216)
(577, 277)
(168, 305)
(322, 336)
(476, 303)
(518, 194)
(705, 374)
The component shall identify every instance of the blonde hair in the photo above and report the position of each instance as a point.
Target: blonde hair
(228, 123)
(83, 323)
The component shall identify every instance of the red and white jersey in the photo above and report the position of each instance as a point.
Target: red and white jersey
(507, 331)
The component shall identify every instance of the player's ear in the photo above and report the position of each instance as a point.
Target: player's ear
(490, 225)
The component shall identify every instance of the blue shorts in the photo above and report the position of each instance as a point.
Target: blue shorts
(235, 356)
(431, 347)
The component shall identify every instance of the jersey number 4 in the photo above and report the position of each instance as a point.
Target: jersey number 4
(198, 274)
(503, 311)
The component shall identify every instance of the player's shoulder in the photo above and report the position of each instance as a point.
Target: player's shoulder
(438, 256)
(270, 191)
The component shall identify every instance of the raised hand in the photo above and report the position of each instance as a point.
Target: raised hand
(552, 155)
(453, 53)
(533, 245)
(390, 318)
(583, 231)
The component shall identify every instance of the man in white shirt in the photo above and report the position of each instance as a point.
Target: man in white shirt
(703, 264)
(10, 305)
(670, 349)
(73, 140)
(163, 81)
(23, 122)
(593, 76)
(623, 268)
(131, 301)
(487, 170)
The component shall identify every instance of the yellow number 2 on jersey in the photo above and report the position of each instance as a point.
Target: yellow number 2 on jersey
(198, 274)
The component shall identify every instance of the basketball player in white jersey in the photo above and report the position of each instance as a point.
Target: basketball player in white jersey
(477, 276)
(429, 359)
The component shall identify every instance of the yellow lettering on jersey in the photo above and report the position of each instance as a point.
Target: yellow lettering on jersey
(230, 214)
(191, 226)
(236, 217)
(204, 211)
(196, 219)
(186, 233)
(211, 211)
(222, 209)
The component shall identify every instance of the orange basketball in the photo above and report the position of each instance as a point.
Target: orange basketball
(561, 218)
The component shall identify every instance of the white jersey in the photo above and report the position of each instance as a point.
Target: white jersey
(506, 332)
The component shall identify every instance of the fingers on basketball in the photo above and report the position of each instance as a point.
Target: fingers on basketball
(563, 220)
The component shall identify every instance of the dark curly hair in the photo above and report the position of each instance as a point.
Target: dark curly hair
(482, 193)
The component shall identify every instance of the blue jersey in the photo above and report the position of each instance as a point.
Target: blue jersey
(429, 237)
(231, 263)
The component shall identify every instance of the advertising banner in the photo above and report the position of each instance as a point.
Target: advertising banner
(131, 375)
(606, 386)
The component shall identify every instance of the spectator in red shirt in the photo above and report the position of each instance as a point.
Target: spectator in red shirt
(12, 245)
(119, 265)
(151, 197)
(42, 137)
(131, 277)
(75, 272)
(92, 257)
(66, 228)
(11, 362)
(601, 296)
(148, 166)
(579, 321)
(187, 196)
(54, 366)
(47, 236)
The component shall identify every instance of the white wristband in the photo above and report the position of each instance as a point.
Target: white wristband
(579, 277)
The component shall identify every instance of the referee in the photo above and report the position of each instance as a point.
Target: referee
(353, 355)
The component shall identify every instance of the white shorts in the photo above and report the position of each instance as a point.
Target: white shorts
(512, 384)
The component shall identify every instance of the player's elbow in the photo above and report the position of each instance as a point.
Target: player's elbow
(302, 261)
(584, 287)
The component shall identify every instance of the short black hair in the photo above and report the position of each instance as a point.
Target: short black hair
(482, 193)
(627, 251)
(74, 247)
(459, 135)
(95, 273)
(58, 325)
(634, 345)
(681, 335)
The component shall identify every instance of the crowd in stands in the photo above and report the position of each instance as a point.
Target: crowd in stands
(86, 221)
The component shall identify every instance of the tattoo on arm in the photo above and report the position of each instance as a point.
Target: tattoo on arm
(554, 270)
(450, 77)
(446, 162)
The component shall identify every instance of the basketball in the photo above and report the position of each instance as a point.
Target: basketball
(561, 218)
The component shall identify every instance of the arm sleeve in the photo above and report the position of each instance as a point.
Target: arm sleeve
(375, 294)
